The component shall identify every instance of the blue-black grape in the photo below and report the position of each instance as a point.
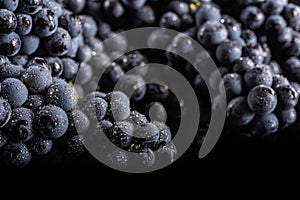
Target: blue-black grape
(37, 79)
(119, 105)
(121, 134)
(52, 121)
(165, 135)
(287, 117)
(30, 6)
(8, 69)
(279, 80)
(111, 76)
(252, 17)
(292, 15)
(61, 94)
(293, 48)
(275, 67)
(8, 21)
(11, 5)
(35, 102)
(134, 61)
(20, 60)
(170, 20)
(45, 23)
(70, 69)
(24, 24)
(287, 97)
(233, 85)
(40, 145)
(145, 136)
(3, 139)
(233, 27)
(228, 52)
(76, 5)
(55, 7)
(212, 33)
(5, 112)
(273, 6)
(72, 23)
(137, 119)
(179, 7)
(262, 99)
(157, 112)
(16, 155)
(207, 12)
(135, 4)
(21, 124)
(95, 108)
(239, 112)
(255, 52)
(259, 75)
(59, 43)
(78, 121)
(56, 66)
(74, 146)
(292, 68)
(84, 53)
(10, 44)
(133, 85)
(275, 23)
(249, 36)
(30, 44)
(113, 8)
(89, 26)
(14, 91)
(242, 65)
(263, 125)
(85, 74)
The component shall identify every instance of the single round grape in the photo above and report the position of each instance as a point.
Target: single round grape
(135, 84)
(10, 44)
(263, 125)
(119, 105)
(8, 21)
(30, 6)
(40, 145)
(262, 99)
(16, 155)
(61, 94)
(228, 52)
(287, 97)
(233, 85)
(259, 75)
(252, 17)
(279, 80)
(11, 5)
(21, 124)
(14, 91)
(78, 121)
(239, 112)
(52, 121)
(59, 43)
(5, 112)
(242, 65)
(212, 33)
(30, 44)
(37, 79)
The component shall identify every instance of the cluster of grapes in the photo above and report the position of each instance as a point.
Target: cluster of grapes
(257, 55)
(43, 46)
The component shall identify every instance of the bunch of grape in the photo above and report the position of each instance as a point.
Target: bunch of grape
(43, 46)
